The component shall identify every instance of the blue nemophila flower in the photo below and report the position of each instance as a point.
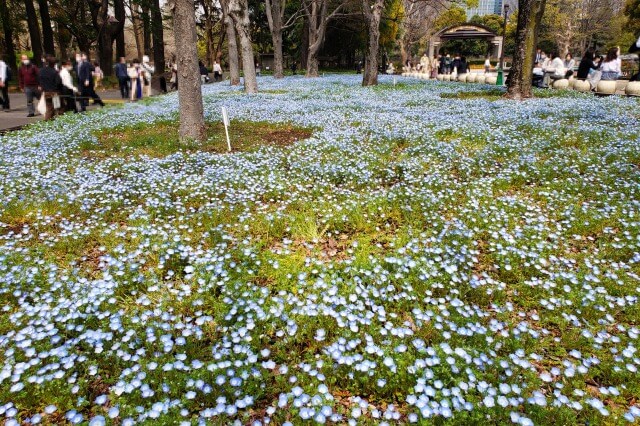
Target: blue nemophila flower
(398, 239)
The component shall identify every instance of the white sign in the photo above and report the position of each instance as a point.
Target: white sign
(225, 121)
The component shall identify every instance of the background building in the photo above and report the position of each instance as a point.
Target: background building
(490, 7)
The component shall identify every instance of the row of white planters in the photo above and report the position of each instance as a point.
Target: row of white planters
(604, 87)
(463, 78)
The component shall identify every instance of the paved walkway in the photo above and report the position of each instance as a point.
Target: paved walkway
(18, 115)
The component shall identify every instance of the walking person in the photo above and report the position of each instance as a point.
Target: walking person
(5, 78)
(28, 82)
(68, 90)
(217, 71)
(50, 83)
(148, 70)
(87, 88)
(123, 78)
(98, 75)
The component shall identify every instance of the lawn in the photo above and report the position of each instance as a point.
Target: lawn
(420, 253)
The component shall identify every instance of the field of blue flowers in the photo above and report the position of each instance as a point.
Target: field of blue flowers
(421, 258)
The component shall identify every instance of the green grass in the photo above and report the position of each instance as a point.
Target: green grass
(162, 139)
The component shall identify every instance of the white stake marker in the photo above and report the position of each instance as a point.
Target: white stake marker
(225, 121)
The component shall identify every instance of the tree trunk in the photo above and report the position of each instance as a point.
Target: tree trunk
(158, 37)
(63, 41)
(232, 43)
(146, 29)
(121, 16)
(34, 32)
(136, 23)
(278, 59)
(105, 52)
(10, 49)
(239, 13)
(520, 76)
(107, 32)
(372, 14)
(304, 44)
(189, 91)
(312, 65)
(47, 31)
(403, 51)
(275, 15)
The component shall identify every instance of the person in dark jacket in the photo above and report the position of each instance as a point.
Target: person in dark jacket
(87, 88)
(28, 82)
(464, 66)
(50, 83)
(123, 78)
(635, 47)
(586, 65)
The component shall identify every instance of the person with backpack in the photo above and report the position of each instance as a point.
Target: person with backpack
(28, 81)
(5, 78)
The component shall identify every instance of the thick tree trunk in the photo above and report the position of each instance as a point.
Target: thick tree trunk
(189, 91)
(232, 44)
(121, 16)
(403, 52)
(63, 41)
(10, 49)
(312, 65)
(372, 14)
(34, 32)
(146, 29)
(158, 37)
(520, 76)
(47, 31)
(275, 16)
(136, 23)
(105, 52)
(278, 59)
(239, 13)
(107, 32)
(304, 45)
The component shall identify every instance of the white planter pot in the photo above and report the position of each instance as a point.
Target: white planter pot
(606, 87)
(582, 86)
(447, 77)
(561, 84)
(633, 88)
(491, 79)
(462, 78)
(440, 77)
(481, 79)
(472, 77)
(572, 81)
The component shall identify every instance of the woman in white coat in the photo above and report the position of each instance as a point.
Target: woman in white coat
(135, 74)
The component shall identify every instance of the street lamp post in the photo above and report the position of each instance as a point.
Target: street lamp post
(500, 79)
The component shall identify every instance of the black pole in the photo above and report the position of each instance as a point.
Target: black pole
(504, 36)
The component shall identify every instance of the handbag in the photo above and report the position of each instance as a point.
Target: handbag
(42, 105)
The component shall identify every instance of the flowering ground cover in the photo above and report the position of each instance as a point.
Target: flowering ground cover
(425, 256)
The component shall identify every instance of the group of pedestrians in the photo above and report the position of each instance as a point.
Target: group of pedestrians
(134, 78)
(51, 84)
(439, 64)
